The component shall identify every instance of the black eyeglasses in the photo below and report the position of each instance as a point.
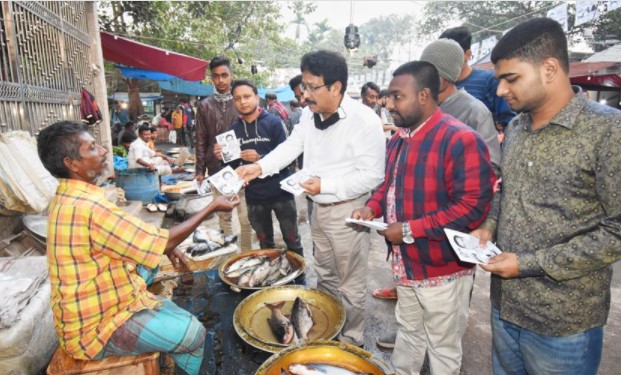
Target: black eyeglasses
(309, 89)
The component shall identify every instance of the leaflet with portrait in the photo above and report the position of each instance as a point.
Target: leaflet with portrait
(292, 183)
(226, 181)
(230, 146)
(467, 247)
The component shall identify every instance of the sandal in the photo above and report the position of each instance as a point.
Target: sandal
(385, 293)
(162, 207)
(152, 207)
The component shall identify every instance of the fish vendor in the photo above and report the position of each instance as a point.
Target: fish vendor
(101, 260)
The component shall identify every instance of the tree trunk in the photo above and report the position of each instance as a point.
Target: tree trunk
(135, 104)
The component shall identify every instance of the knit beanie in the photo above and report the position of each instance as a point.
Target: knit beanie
(447, 56)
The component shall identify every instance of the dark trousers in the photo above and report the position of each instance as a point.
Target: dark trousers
(260, 217)
(180, 137)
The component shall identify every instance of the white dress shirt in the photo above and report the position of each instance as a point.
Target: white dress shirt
(139, 150)
(348, 156)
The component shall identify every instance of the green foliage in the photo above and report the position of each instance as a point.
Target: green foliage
(487, 18)
(300, 9)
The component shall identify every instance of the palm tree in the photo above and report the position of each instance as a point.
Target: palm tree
(301, 8)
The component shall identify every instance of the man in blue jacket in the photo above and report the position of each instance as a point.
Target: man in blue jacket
(259, 133)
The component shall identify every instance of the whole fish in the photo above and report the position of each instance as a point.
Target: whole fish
(200, 248)
(301, 318)
(274, 272)
(289, 278)
(200, 236)
(244, 279)
(259, 274)
(280, 325)
(319, 369)
(243, 263)
(285, 266)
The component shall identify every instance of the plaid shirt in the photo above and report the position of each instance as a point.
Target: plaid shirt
(445, 180)
(92, 250)
(279, 109)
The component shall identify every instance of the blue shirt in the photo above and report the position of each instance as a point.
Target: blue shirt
(482, 84)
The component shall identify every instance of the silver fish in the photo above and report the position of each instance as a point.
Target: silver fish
(274, 272)
(201, 248)
(244, 279)
(259, 274)
(289, 278)
(319, 369)
(301, 318)
(243, 263)
(281, 326)
(285, 266)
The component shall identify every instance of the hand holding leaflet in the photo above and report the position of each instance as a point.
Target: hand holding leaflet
(377, 225)
(467, 247)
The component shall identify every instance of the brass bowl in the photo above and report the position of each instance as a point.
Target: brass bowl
(296, 261)
(251, 315)
(333, 353)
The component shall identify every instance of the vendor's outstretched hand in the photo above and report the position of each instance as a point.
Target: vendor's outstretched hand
(178, 260)
(225, 202)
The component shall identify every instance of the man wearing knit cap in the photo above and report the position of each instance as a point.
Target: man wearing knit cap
(447, 56)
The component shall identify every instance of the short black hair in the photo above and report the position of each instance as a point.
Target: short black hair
(128, 137)
(153, 129)
(295, 82)
(459, 34)
(219, 61)
(329, 64)
(144, 128)
(57, 142)
(129, 124)
(384, 93)
(243, 82)
(534, 41)
(271, 96)
(367, 86)
(425, 73)
(294, 103)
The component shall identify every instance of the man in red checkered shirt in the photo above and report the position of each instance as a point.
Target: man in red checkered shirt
(438, 175)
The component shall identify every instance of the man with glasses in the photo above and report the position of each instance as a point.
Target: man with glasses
(213, 117)
(343, 146)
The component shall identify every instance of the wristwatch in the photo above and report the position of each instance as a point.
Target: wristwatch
(407, 233)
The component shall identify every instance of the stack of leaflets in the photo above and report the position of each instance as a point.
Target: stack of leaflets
(202, 188)
(467, 247)
(226, 181)
(292, 183)
(230, 146)
(377, 225)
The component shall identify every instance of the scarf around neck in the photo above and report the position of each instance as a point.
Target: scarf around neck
(223, 98)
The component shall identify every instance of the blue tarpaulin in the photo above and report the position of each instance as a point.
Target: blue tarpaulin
(171, 83)
(144, 74)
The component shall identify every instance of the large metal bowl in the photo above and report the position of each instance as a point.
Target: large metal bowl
(251, 315)
(325, 352)
(296, 261)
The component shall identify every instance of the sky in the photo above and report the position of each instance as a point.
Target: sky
(339, 13)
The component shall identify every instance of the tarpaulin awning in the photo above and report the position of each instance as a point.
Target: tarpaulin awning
(283, 93)
(138, 55)
(186, 87)
(136, 73)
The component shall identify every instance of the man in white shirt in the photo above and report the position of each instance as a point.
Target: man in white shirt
(140, 155)
(343, 146)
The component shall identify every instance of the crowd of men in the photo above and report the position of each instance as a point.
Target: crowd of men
(423, 155)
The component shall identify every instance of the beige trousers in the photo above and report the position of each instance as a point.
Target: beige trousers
(431, 320)
(226, 220)
(341, 258)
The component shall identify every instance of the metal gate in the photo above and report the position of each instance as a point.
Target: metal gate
(44, 61)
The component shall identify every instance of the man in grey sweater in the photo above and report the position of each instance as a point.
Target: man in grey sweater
(447, 56)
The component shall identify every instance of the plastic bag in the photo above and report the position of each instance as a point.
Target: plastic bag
(172, 137)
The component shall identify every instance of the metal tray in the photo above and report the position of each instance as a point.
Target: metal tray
(36, 224)
(296, 261)
(325, 352)
(251, 315)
